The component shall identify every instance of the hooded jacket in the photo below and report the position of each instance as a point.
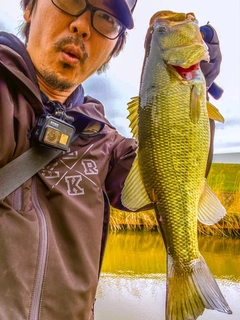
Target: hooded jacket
(53, 228)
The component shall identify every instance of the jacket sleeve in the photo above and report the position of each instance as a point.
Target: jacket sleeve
(122, 158)
(211, 70)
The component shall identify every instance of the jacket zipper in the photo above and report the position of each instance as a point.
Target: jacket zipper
(43, 243)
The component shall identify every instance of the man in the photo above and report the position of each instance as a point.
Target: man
(54, 227)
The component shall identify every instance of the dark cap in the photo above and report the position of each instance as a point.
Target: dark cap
(124, 10)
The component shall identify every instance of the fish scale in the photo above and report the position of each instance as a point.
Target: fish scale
(170, 121)
(180, 142)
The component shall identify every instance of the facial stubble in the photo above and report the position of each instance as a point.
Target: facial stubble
(56, 81)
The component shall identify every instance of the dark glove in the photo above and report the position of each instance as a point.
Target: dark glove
(211, 69)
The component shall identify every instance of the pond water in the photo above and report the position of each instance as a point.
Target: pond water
(133, 279)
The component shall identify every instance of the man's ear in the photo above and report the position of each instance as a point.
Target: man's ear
(27, 14)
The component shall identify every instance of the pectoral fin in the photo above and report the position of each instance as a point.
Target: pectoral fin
(195, 104)
(210, 209)
(134, 195)
(213, 113)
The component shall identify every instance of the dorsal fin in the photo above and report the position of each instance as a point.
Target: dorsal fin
(134, 195)
(133, 116)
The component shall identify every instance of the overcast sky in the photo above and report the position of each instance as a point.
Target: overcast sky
(121, 81)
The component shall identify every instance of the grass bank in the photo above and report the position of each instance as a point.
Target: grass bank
(224, 179)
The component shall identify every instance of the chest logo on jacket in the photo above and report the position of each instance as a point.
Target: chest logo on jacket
(71, 171)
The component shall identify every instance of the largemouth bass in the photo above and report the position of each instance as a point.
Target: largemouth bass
(170, 120)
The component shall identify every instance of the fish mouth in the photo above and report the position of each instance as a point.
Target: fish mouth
(188, 73)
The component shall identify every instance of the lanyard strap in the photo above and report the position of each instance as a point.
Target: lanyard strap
(19, 170)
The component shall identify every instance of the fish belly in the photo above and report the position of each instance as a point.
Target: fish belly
(175, 150)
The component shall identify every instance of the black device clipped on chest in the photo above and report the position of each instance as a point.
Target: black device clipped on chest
(53, 131)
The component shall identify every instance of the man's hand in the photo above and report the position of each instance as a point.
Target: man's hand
(211, 69)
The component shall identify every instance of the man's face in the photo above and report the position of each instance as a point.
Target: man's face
(65, 50)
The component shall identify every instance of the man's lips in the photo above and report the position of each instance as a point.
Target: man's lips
(71, 53)
(187, 73)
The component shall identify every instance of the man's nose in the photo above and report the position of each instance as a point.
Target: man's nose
(82, 25)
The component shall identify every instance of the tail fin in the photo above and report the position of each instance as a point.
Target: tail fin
(191, 289)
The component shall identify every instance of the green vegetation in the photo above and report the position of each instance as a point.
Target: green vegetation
(224, 179)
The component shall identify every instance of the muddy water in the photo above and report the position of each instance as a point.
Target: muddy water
(133, 280)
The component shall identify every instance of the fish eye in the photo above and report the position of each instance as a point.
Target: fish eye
(162, 29)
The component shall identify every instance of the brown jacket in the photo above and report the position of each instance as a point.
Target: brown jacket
(53, 228)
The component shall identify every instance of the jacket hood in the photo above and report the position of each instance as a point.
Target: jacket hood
(15, 60)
